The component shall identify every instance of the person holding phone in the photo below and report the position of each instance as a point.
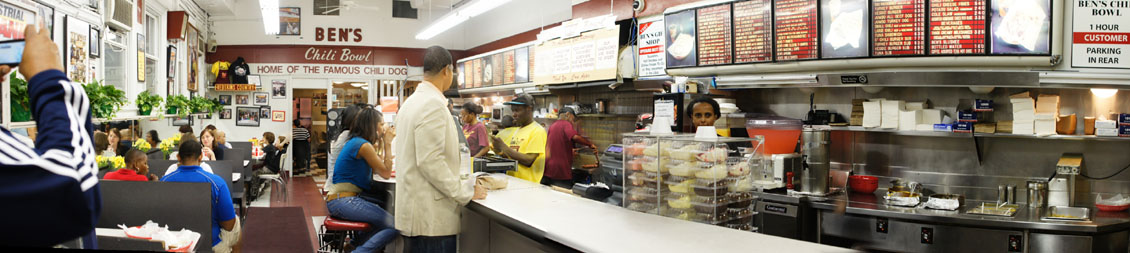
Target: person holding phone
(52, 186)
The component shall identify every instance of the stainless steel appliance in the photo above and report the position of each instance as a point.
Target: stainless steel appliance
(814, 179)
(786, 216)
(1069, 166)
(1037, 194)
(494, 164)
(773, 176)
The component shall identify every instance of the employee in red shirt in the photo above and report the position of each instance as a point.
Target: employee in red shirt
(137, 168)
(561, 137)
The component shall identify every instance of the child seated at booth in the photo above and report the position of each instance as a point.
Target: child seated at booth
(137, 168)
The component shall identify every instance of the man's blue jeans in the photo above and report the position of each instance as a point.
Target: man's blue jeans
(357, 209)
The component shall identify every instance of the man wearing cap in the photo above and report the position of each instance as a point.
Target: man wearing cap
(561, 138)
(524, 141)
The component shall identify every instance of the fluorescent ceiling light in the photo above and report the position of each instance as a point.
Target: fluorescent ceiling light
(458, 16)
(270, 10)
(1103, 93)
(358, 84)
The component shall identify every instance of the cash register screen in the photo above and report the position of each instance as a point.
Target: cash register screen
(615, 149)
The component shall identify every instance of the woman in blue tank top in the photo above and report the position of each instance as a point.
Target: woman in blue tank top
(366, 153)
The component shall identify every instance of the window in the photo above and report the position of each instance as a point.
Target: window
(151, 30)
(152, 53)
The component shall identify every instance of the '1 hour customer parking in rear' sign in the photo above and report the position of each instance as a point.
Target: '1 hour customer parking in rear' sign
(1101, 34)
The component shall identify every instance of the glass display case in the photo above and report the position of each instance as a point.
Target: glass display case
(701, 180)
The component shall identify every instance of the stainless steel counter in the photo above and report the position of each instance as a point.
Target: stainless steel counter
(1025, 218)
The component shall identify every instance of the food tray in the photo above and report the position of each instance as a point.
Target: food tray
(991, 209)
(1068, 213)
(642, 207)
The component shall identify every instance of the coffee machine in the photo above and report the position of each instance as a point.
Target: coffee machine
(815, 161)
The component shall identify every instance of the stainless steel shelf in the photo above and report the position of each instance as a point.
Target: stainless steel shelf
(895, 131)
(1055, 137)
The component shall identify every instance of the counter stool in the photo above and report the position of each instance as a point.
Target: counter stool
(335, 231)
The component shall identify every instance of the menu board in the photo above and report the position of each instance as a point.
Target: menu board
(898, 27)
(508, 57)
(477, 73)
(681, 39)
(752, 31)
(1024, 26)
(462, 75)
(714, 42)
(591, 56)
(499, 64)
(957, 27)
(795, 23)
(522, 66)
(843, 28)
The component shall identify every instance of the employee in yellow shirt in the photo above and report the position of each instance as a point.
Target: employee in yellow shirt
(524, 141)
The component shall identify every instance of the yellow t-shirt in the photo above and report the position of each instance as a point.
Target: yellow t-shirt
(529, 139)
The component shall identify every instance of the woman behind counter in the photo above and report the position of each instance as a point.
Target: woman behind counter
(367, 152)
(474, 130)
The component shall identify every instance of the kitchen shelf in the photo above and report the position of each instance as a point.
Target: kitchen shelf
(1054, 137)
(895, 132)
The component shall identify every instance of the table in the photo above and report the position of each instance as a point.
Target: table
(276, 229)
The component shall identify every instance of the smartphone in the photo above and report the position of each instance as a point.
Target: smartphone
(11, 52)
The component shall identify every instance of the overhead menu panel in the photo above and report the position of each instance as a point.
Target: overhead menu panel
(843, 28)
(753, 31)
(957, 27)
(795, 23)
(681, 39)
(1024, 26)
(714, 41)
(898, 27)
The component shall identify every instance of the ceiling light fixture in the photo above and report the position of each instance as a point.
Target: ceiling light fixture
(1103, 93)
(458, 16)
(270, 10)
(357, 84)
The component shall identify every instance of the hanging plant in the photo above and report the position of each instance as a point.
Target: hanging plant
(177, 105)
(20, 103)
(146, 102)
(105, 100)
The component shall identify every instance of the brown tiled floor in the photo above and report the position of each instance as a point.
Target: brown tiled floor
(302, 192)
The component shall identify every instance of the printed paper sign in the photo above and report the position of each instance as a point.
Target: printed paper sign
(1101, 34)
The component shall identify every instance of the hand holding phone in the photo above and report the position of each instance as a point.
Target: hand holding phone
(12, 52)
(41, 54)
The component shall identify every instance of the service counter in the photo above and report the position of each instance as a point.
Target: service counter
(529, 217)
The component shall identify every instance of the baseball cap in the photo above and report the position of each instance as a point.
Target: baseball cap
(522, 99)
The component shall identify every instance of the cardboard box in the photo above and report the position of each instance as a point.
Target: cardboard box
(983, 105)
(943, 128)
(1108, 132)
(963, 127)
(966, 116)
(1106, 124)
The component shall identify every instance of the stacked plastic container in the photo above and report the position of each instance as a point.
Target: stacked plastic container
(707, 181)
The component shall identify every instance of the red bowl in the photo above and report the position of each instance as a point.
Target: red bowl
(863, 184)
(1106, 208)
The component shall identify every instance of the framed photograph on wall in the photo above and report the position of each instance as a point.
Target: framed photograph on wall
(181, 121)
(225, 113)
(247, 116)
(77, 43)
(278, 88)
(172, 61)
(45, 15)
(254, 79)
(95, 42)
(261, 98)
(290, 21)
(241, 100)
(278, 116)
(225, 99)
(264, 112)
(140, 57)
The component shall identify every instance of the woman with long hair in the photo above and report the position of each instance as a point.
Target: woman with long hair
(347, 116)
(211, 150)
(114, 139)
(366, 153)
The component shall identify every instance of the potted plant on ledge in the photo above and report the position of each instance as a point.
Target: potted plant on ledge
(105, 100)
(200, 104)
(20, 107)
(177, 105)
(146, 102)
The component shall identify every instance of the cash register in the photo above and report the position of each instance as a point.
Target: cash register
(494, 164)
(611, 170)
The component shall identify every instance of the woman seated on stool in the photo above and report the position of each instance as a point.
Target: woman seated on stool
(366, 153)
(137, 168)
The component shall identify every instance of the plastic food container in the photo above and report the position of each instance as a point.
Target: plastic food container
(863, 184)
(740, 199)
(1106, 208)
(781, 134)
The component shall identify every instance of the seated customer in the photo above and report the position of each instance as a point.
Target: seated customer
(137, 168)
(367, 152)
(102, 144)
(272, 154)
(185, 138)
(212, 150)
(225, 226)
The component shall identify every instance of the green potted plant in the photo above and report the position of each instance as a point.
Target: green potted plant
(216, 105)
(177, 105)
(200, 104)
(146, 102)
(20, 104)
(105, 100)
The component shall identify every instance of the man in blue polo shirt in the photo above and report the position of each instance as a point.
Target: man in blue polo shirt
(225, 226)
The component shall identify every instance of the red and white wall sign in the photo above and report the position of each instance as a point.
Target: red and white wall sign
(1101, 34)
(651, 60)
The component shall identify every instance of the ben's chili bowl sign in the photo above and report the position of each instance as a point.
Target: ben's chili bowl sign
(333, 61)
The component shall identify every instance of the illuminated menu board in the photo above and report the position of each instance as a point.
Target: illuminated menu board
(752, 32)
(898, 27)
(714, 42)
(843, 28)
(957, 27)
(462, 75)
(796, 24)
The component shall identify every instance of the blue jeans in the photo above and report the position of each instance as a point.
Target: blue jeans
(430, 244)
(357, 209)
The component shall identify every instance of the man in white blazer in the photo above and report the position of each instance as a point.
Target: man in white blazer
(429, 191)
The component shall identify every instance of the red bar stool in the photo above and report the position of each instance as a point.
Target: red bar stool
(335, 231)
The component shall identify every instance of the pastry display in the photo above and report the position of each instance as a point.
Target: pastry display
(651, 150)
(686, 169)
(717, 154)
(679, 201)
(713, 206)
(683, 187)
(742, 184)
(642, 207)
(686, 153)
(717, 172)
(739, 169)
(742, 200)
(636, 149)
(642, 195)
